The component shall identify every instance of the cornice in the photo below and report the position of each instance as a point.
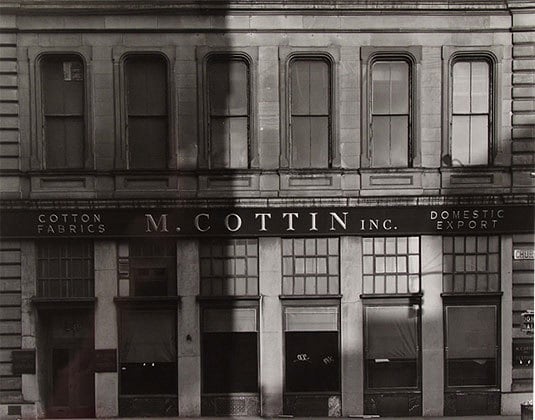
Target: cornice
(225, 6)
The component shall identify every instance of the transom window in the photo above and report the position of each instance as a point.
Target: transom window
(63, 105)
(391, 265)
(471, 116)
(310, 266)
(65, 269)
(229, 267)
(471, 264)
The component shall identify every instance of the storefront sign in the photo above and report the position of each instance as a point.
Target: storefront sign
(523, 254)
(106, 360)
(305, 221)
(523, 353)
(23, 362)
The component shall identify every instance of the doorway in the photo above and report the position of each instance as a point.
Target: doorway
(68, 363)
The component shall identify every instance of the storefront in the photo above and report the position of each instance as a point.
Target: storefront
(320, 311)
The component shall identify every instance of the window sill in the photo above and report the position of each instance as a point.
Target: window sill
(226, 298)
(309, 297)
(391, 295)
(160, 301)
(62, 303)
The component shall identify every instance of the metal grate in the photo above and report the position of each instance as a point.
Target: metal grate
(471, 264)
(391, 265)
(310, 266)
(229, 267)
(65, 269)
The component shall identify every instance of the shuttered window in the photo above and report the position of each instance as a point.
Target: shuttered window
(63, 104)
(471, 113)
(147, 112)
(390, 119)
(310, 113)
(229, 112)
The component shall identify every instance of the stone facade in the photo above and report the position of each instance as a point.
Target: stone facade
(348, 32)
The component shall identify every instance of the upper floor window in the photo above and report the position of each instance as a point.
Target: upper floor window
(228, 112)
(471, 115)
(310, 113)
(147, 119)
(390, 114)
(63, 111)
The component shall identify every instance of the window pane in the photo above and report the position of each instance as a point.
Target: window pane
(238, 142)
(399, 141)
(230, 362)
(399, 75)
(471, 372)
(237, 94)
(319, 141)
(225, 320)
(147, 142)
(471, 332)
(380, 141)
(392, 332)
(312, 319)
(300, 87)
(461, 87)
(381, 88)
(479, 139)
(480, 87)
(312, 361)
(301, 142)
(460, 139)
(319, 87)
(63, 85)
(64, 145)
(392, 373)
(146, 83)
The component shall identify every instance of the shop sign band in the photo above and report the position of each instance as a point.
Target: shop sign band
(305, 221)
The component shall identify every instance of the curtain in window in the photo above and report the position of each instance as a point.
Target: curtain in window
(148, 337)
(471, 332)
(392, 332)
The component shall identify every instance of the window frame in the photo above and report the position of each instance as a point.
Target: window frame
(230, 304)
(249, 55)
(36, 56)
(323, 302)
(397, 301)
(493, 56)
(332, 56)
(119, 56)
(488, 299)
(412, 56)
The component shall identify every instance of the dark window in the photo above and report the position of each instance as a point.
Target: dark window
(312, 355)
(229, 350)
(310, 113)
(471, 345)
(391, 348)
(390, 119)
(229, 86)
(148, 359)
(65, 268)
(152, 267)
(147, 111)
(471, 113)
(63, 105)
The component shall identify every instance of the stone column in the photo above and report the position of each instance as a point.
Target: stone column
(506, 276)
(352, 344)
(32, 392)
(432, 327)
(106, 334)
(188, 334)
(271, 358)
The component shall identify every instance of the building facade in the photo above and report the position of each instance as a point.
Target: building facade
(265, 208)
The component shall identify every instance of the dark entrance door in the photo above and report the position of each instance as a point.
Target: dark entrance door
(69, 363)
